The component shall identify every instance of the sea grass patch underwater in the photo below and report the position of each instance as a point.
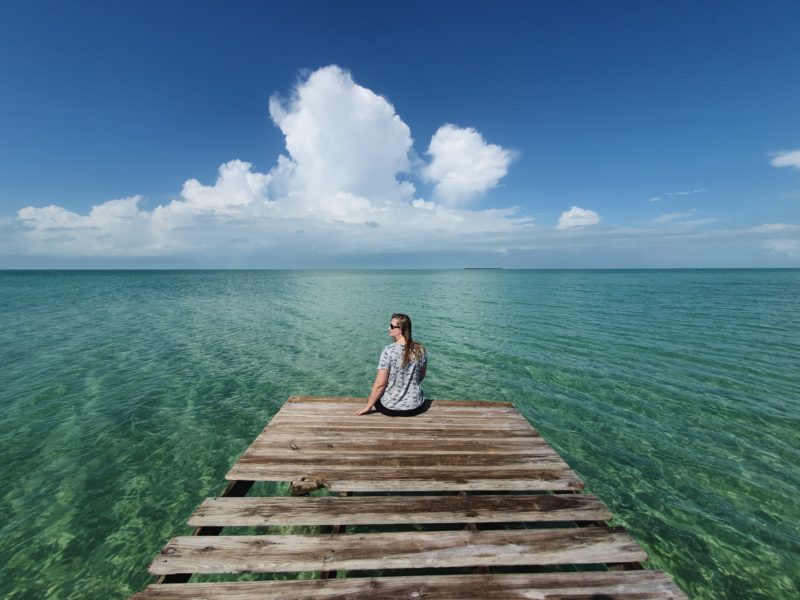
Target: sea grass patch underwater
(127, 395)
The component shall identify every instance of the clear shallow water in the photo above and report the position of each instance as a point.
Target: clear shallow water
(126, 396)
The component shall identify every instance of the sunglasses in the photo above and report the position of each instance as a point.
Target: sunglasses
(394, 326)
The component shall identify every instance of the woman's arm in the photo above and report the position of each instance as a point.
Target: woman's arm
(381, 381)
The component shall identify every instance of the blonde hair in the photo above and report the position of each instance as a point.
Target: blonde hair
(413, 350)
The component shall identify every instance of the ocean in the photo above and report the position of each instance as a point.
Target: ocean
(127, 395)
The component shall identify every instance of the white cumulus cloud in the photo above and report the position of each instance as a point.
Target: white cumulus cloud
(344, 142)
(577, 217)
(463, 165)
(789, 158)
(109, 228)
(336, 189)
(237, 186)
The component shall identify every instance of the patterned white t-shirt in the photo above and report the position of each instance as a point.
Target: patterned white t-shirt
(404, 391)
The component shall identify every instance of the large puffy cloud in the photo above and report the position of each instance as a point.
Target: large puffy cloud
(463, 165)
(577, 217)
(786, 159)
(345, 143)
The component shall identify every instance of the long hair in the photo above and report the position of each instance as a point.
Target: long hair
(413, 350)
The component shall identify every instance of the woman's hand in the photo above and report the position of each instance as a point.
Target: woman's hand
(381, 381)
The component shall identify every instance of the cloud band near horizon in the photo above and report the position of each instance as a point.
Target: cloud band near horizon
(343, 186)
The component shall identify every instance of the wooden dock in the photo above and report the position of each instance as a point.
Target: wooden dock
(463, 501)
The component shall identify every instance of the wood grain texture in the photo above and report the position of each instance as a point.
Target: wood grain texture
(344, 400)
(441, 549)
(630, 585)
(316, 442)
(412, 430)
(341, 445)
(454, 446)
(335, 461)
(454, 485)
(399, 480)
(375, 510)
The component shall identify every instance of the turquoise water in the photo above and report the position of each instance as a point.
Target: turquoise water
(126, 396)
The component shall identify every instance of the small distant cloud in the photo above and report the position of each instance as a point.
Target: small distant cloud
(699, 222)
(787, 247)
(789, 158)
(667, 195)
(687, 193)
(463, 165)
(577, 217)
(669, 217)
(773, 227)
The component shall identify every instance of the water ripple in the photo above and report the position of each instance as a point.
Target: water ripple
(127, 395)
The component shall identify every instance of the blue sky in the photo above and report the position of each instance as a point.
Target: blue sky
(364, 134)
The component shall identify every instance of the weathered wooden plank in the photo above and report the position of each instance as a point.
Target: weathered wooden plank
(563, 484)
(431, 413)
(332, 461)
(433, 410)
(375, 420)
(411, 431)
(345, 444)
(472, 415)
(391, 425)
(427, 465)
(628, 585)
(285, 472)
(312, 429)
(226, 512)
(439, 404)
(440, 549)
(429, 440)
(425, 440)
(421, 481)
(355, 452)
(356, 399)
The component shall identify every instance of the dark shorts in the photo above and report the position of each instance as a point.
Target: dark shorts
(402, 413)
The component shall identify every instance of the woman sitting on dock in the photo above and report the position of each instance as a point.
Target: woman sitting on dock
(397, 390)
